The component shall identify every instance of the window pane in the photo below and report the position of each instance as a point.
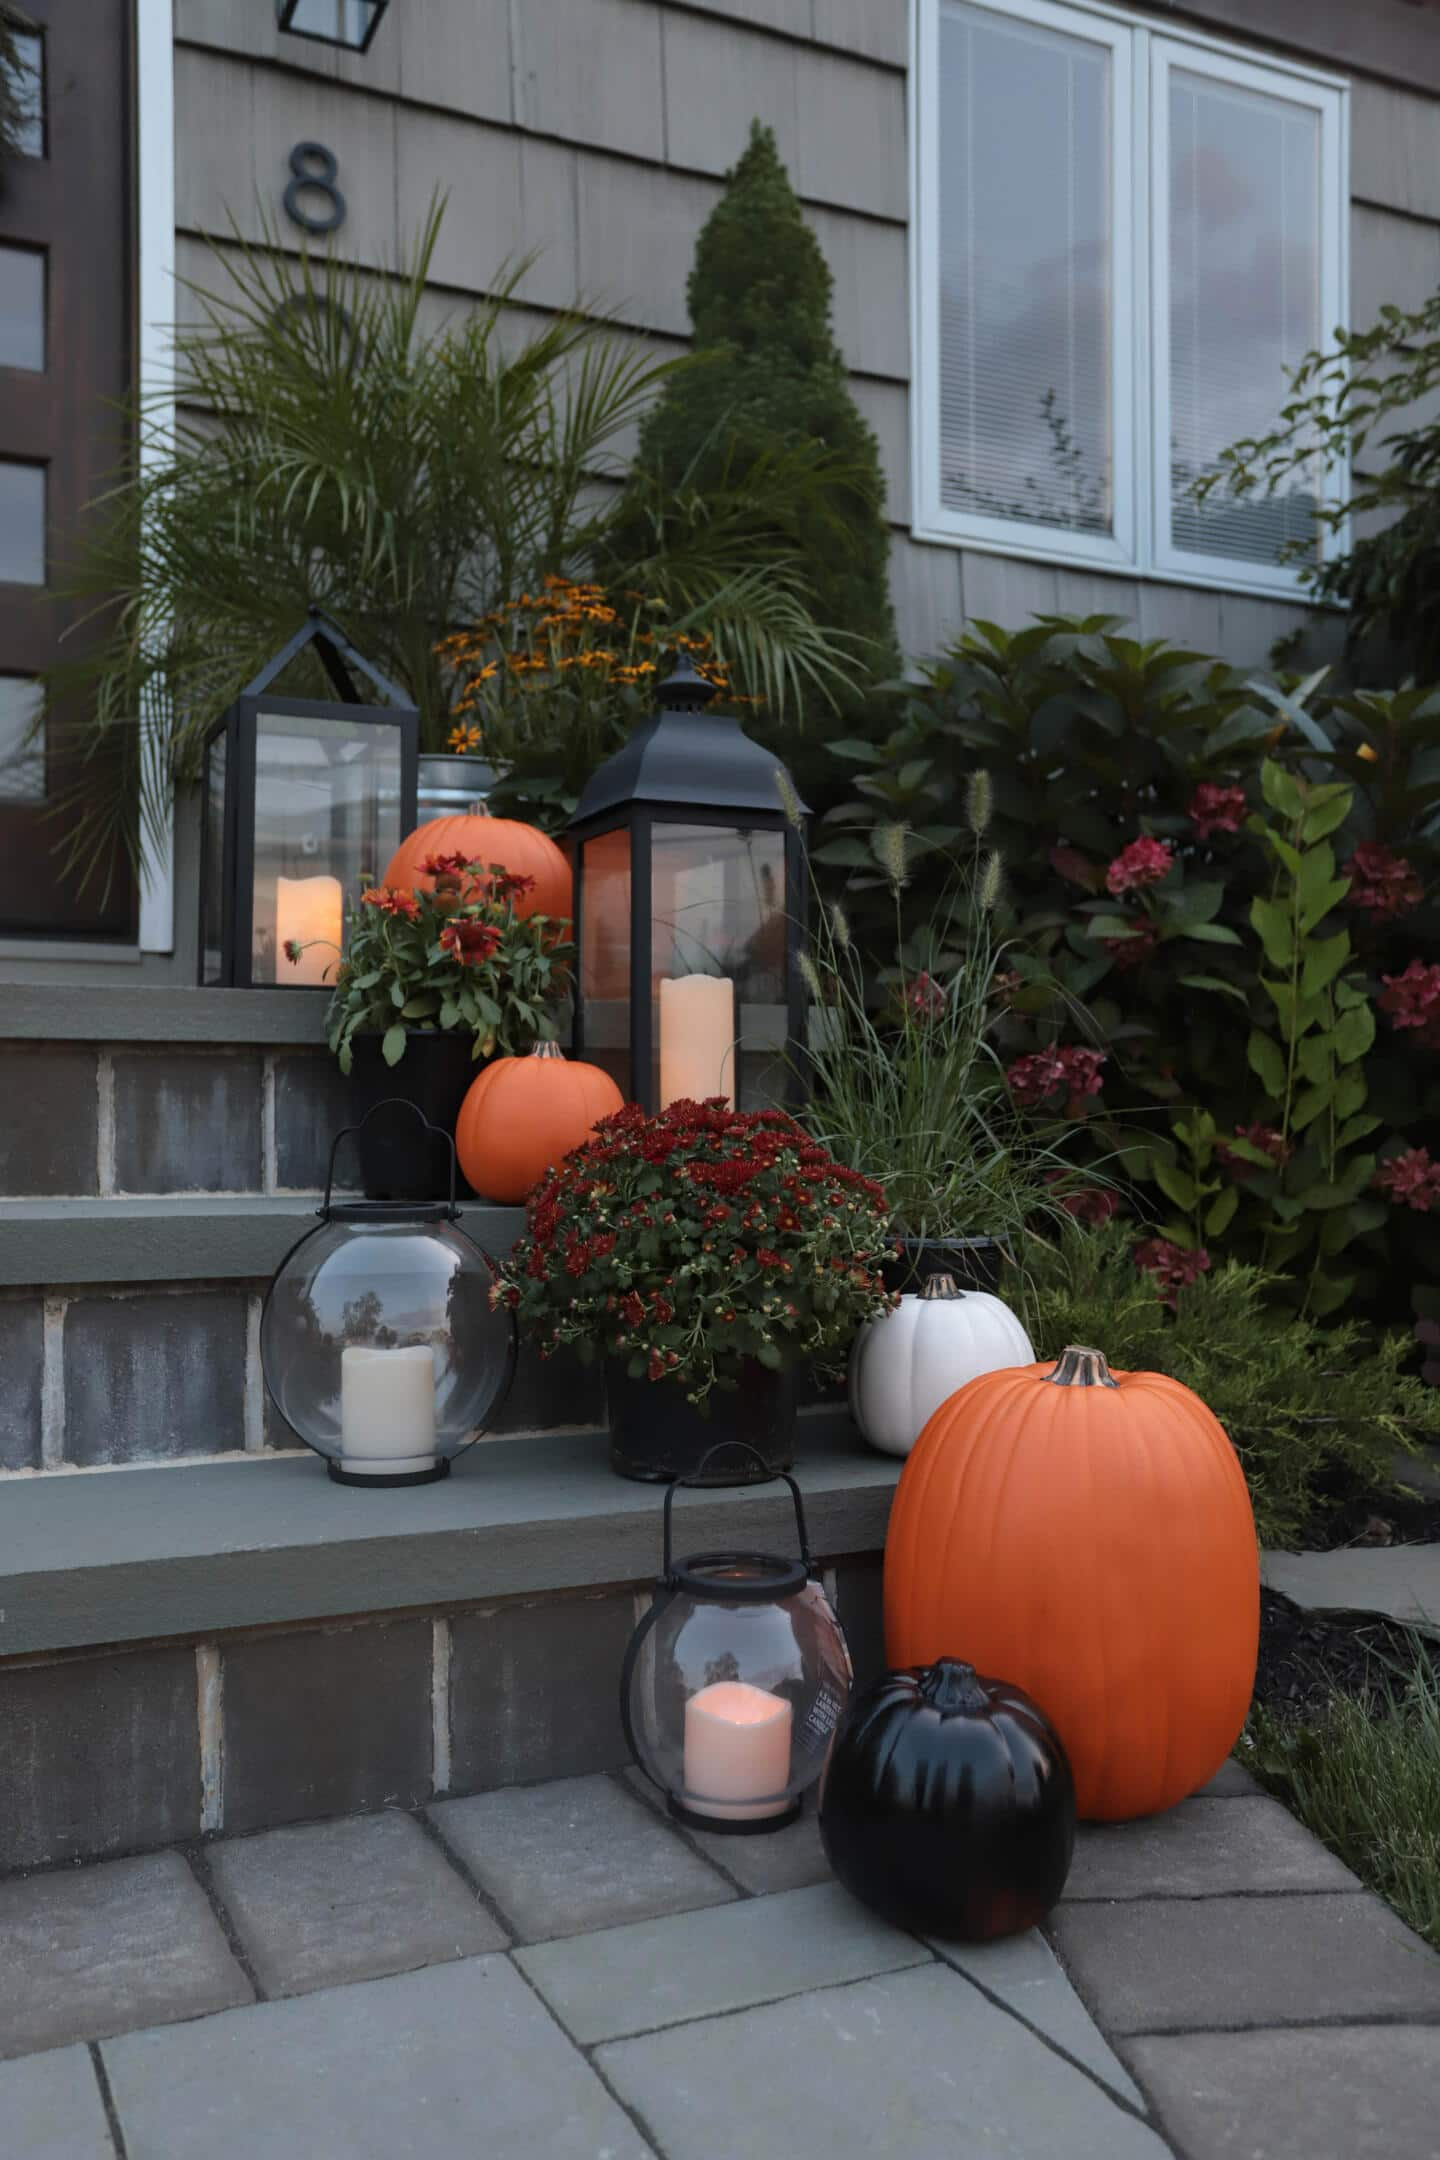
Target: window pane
(22, 308)
(22, 759)
(27, 90)
(1026, 277)
(22, 524)
(1244, 298)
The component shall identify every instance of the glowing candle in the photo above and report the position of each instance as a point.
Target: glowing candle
(309, 910)
(697, 1038)
(737, 1752)
(387, 1409)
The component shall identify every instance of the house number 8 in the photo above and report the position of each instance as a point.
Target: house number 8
(314, 169)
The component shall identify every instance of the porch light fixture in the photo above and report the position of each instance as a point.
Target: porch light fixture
(734, 1682)
(378, 1341)
(348, 23)
(304, 801)
(689, 898)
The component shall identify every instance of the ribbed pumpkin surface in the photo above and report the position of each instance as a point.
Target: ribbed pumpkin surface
(1094, 1546)
(522, 849)
(522, 1115)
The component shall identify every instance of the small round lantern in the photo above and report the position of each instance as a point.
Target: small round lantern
(377, 1339)
(734, 1683)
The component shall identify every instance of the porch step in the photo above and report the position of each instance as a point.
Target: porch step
(172, 1238)
(189, 1651)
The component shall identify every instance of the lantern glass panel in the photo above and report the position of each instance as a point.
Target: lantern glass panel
(709, 1761)
(362, 1285)
(718, 913)
(605, 954)
(212, 899)
(327, 820)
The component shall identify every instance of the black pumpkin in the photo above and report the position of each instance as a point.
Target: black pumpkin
(949, 1807)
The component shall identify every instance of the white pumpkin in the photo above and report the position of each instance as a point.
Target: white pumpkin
(904, 1365)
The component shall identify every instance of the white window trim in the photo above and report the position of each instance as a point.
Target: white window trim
(1139, 546)
(155, 309)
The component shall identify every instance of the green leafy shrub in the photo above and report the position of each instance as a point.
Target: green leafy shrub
(1314, 1415)
(768, 376)
(1215, 880)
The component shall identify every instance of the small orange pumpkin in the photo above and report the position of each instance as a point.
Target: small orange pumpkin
(1088, 1535)
(523, 1113)
(523, 850)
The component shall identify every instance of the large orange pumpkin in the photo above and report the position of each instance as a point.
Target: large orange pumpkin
(523, 1113)
(523, 850)
(1088, 1536)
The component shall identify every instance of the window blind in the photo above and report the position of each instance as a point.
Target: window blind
(1244, 256)
(1026, 272)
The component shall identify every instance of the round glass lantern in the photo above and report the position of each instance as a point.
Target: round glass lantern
(734, 1684)
(378, 1341)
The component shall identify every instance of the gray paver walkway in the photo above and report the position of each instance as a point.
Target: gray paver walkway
(559, 1973)
(1401, 1581)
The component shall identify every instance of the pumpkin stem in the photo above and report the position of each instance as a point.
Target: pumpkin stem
(941, 1287)
(952, 1687)
(1078, 1367)
(547, 1050)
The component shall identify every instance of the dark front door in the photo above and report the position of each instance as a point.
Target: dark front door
(65, 359)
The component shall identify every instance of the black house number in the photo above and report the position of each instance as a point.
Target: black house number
(314, 170)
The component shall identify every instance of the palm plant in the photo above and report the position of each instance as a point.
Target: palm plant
(334, 448)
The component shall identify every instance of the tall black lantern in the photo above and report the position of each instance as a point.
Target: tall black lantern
(689, 904)
(351, 23)
(303, 801)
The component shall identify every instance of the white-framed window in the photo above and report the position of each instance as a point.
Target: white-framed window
(1121, 239)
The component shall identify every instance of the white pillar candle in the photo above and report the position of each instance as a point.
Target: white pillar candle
(697, 1038)
(737, 1752)
(310, 910)
(387, 1410)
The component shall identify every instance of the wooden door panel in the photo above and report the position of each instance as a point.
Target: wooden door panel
(75, 204)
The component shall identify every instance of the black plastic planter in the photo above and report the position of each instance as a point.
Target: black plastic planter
(657, 1435)
(398, 1161)
(975, 1263)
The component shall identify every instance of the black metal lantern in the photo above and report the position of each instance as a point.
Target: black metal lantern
(351, 23)
(735, 1682)
(689, 905)
(304, 799)
(379, 1342)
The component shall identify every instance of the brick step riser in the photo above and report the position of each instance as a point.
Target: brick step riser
(126, 1750)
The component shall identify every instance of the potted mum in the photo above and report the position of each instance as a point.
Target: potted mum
(704, 1254)
(432, 984)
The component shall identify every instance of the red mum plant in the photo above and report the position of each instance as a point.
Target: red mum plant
(685, 1244)
(1174, 1267)
(1144, 862)
(1383, 884)
(1412, 1000)
(1213, 809)
(1412, 1180)
(455, 960)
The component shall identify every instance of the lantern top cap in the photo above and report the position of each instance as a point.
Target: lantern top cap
(687, 755)
(339, 659)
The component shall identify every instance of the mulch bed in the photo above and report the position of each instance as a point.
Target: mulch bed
(1306, 1657)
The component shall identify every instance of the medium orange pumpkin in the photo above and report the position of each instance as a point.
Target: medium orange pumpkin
(524, 851)
(523, 1113)
(1088, 1535)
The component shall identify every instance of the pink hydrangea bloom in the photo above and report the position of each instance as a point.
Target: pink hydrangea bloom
(1412, 1000)
(1144, 862)
(1213, 809)
(1174, 1267)
(1412, 1180)
(1384, 884)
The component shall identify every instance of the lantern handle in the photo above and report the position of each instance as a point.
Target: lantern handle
(698, 1472)
(390, 1102)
